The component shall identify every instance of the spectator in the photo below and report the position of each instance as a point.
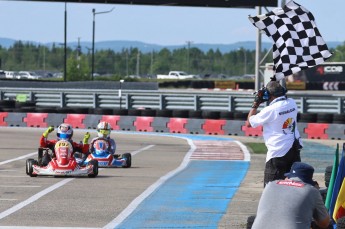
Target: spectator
(279, 121)
(292, 203)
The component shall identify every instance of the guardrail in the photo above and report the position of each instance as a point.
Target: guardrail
(233, 101)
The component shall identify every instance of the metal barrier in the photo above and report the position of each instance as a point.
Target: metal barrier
(234, 101)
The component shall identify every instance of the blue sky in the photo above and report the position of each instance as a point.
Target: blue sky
(44, 22)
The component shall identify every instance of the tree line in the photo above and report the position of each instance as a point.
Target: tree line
(27, 56)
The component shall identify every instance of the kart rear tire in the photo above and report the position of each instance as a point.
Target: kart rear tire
(128, 158)
(341, 223)
(250, 221)
(27, 166)
(95, 168)
(323, 192)
(328, 174)
(40, 156)
(29, 169)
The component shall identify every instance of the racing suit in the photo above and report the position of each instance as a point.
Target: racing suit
(45, 143)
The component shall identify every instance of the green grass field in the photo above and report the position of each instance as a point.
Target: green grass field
(257, 148)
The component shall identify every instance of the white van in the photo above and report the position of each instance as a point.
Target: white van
(28, 75)
(9, 74)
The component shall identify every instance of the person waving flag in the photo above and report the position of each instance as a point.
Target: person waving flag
(298, 43)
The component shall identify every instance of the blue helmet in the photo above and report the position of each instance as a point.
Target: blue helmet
(65, 131)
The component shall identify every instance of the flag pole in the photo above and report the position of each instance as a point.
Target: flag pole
(332, 180)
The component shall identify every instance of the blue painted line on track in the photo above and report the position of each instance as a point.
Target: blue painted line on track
(197, 197)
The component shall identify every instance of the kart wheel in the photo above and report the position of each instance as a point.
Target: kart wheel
(29, 169)
(94, 163)
(250, 221)
(328, 174)
(28, 161)
(128, 158)
(40, 155)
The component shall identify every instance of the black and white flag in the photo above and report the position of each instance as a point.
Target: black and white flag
(298, 43)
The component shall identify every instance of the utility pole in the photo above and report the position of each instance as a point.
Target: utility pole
(65, 47)
(151, 67)
(78, 55)
(93, 38)
(188, 55)
(127, 62)
(138, 63)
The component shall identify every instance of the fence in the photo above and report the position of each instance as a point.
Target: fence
(233, 101)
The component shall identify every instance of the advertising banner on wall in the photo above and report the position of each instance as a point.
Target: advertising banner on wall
(327, 72)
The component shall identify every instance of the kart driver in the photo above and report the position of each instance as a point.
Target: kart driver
(103, 132)
(64, 132)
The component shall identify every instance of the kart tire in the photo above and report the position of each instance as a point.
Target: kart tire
(27, 165)
(328, 174)
(240, 116)
(323, 192)
(29, 169)
(95, 168)
(341, 223)
(250, 221)
(227, 115)
(40, 156)
(164, 113)
(195, 114)
(148, 113)
(180, 113)
(339, 118)
(128, 158)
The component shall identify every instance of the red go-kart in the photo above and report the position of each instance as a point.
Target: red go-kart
(63, 163)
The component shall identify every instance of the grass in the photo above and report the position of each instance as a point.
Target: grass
(257, 148)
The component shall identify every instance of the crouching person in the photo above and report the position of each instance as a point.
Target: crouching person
(292, 203)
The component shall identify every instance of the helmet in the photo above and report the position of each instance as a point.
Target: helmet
(103, 129)
(65, 131)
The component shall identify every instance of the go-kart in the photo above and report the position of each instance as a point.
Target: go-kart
(106, 159)
(63, 163)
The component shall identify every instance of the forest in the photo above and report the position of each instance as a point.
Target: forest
(131, 62)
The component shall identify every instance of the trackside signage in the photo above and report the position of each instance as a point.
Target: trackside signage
(329, 72)
(325, 72)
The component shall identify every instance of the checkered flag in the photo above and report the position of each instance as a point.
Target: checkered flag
(298, 43)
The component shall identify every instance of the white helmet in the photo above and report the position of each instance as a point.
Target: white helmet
(65, 131)
(103, 129)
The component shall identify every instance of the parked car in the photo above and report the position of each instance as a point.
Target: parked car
(28, 75)
(2, 74)
(176, 75)
(10, 74)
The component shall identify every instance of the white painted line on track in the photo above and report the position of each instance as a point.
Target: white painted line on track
(142, 149)
(34, 198)
(18, 158)
(11, 176)
(20, 186)
(21, 227)
(134, 204)
(245, 151)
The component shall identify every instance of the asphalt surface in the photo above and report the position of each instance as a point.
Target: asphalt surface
(80, 202)
(94, 202)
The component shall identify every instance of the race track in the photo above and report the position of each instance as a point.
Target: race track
(184, 181)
